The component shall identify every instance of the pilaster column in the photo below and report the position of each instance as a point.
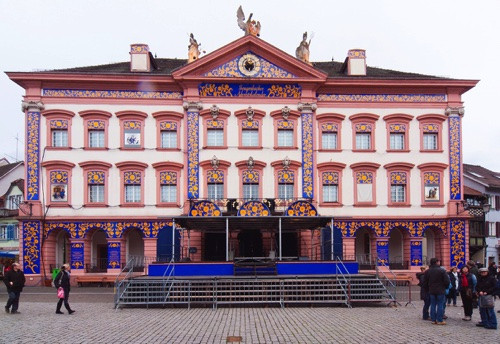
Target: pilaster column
(455, 115)
(31, 247)
(382, 251)
(349, 247)
(306, 114)
(416, 252)
(77, 256)
(193, 147)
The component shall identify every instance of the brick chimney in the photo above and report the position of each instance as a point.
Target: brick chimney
(139, 58)
(356, 62)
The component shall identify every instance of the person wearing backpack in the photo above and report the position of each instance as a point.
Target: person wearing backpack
(62, 280)
(436, 280)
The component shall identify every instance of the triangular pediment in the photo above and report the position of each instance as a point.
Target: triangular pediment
(249, 58)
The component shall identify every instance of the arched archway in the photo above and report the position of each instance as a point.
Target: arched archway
(432, 244)
(56, 250)
(98, 252)
(134, 248)
(398, 249)
(63, 248)
(365, 251)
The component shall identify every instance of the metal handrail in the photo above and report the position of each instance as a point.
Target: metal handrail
(391, 283)
(119, 283)
(346, 281)
(166, 280)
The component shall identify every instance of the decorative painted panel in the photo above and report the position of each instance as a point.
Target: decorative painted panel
(114, 255)
(95, 177)
(215, 176)
(430, 128)
(250, 90)
(168, 178)
(382, 252)
(253, 208)
(132, 125)
(77, 256)
(284, 124)
(397, 128)
(383, 228)
(204, 208)
(357, 53)
(398, 178)
(330, 178)
(215, 124)
(364, 177)
(31, 247)
(432, 178)
(307, 156)
(139, 48)
(266, 69)
(363, 128)
(96, 125)
(457, 243)
(286, 177)
(389, 98)
(166, 125)
(301, 208)
(250, 176)
(132, 177)
(58, 124)
(329, 128)
(416, 253)
(59, 177)
(110, 94)
(455, 158)
(246, 124)
(33, 156)
(193, 154)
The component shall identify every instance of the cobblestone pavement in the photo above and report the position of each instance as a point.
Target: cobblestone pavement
(96, 321)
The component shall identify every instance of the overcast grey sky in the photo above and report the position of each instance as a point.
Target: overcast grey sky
(450, 38)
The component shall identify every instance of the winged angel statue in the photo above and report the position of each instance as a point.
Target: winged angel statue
(251, 27)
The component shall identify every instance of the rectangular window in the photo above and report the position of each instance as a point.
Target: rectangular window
(168, 193)
(492, 232)
(363, 140)
(96, 138)
(250, 191)
(59, 138)
(96, 193)
(397, 141)
(215, 137)
(132, 138)
(285, 191)
(14, 201)
(249, 138)
(285, 138)
(8, 232)
(397, 193)
(132, 193)
(329, 141)
(215, 190)
(430, 141)
(330, 193)
(168, 139)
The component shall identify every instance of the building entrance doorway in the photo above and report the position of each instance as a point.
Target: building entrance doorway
(289, 247)
(215, 247)
(250, 243)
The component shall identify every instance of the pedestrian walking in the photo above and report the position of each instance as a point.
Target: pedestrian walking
(424, 293)
(436, 280)
(467, 287)
(62, 280)
(486, 289)
(14, 280)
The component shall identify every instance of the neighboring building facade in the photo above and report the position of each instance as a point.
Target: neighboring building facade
(484, 206)
(128, 147)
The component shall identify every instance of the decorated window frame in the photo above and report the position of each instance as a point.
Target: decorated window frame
(131, 129)
(330, 173)
(285, 121)
(432, 184)
(330, 123)
(95, 120)
(214, 119)
(215, 171)
(283, 174)
(365, 173)
(95, 173)
(249, 119)
(364, 123)
(250, 172)
(58, 120)
(58, 176)
(398, 174)
(132, 173)
(399, 124)
(431, 124)
(168, 173)
(168, 121)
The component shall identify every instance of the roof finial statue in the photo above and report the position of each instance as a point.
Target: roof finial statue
(302, 51)
(251, 27)
(193, 52)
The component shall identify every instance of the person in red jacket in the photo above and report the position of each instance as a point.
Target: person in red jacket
(14, 280)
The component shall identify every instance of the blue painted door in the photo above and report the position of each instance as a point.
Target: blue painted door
(164, 245)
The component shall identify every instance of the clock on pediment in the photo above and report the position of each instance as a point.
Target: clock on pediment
(249, 65)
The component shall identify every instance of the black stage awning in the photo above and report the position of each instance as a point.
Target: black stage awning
(262, 223)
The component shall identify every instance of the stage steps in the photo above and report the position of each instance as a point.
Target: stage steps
(261, 291)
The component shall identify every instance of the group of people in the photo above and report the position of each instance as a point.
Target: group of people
(14, 280)
(476, 287)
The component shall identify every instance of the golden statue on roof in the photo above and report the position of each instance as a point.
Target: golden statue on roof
(302, 51)
(251, 27)
(193, 49)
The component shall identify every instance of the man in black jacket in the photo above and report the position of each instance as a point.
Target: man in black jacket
(14, 280)
(436, 281)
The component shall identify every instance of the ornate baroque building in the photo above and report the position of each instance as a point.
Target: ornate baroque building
(120, 156)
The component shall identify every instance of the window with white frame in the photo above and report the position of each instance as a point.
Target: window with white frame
(96, 134)
(250, 179)
(59, 138)
(397, 141)
(285, 133)
(398, 187)
(215, 184)
(132, 134)
(132, 181)
(285, 184)
(329, 135)
(492, 230)
(13, 201)
(250, 137)
(430, 141)
(95, 180)
(215, 133)
(363, 136)
(168, 187)
(168, 132)
(9, 232)
(330, 182)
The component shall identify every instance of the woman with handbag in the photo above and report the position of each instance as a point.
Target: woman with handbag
(62, 280)
(467, 285)
(486, 289)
